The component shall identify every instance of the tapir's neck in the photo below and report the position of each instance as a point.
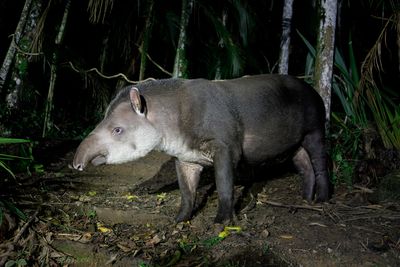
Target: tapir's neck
(165, 116)
(177, 146)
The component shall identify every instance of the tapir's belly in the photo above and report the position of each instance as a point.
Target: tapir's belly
(259, 146)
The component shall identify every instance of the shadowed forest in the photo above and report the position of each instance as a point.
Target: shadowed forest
(62, 61)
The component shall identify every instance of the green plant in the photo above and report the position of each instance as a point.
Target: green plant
(211, 242)
(346, 130)
(143, 264)
(387, 118)
(18, 263)
(7, 205)
(91, 214)
(8, 157)
(345, 82)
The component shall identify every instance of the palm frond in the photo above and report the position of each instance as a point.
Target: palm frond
(98, 10)
(231, 57)
(382, 109)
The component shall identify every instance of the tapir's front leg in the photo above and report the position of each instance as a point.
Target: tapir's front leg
(188, 179)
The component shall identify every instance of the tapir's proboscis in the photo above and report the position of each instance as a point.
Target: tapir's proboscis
(215, 123)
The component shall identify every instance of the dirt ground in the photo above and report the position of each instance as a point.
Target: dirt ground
(123, 215)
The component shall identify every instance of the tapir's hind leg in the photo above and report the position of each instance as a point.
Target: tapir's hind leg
(303, 165)
(314, 144)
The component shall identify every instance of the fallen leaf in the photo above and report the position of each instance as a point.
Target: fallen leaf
(154, 241)
(84, 198)
(131, 197)
(92, 193)
(228, 229)
(103, 229)
(124, 248)
(286, 236)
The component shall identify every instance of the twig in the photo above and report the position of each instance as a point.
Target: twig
(249, 206)
(277, 204)
(364, 246)
(18, 236)
(317, 224)
(11, 246)
(364, 189)
(383, 216)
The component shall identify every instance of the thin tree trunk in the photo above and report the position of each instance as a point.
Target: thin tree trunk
(181, 64)
(145, 43)
(397, 17)
(13, 70)
(5, 68)
(48, 121)
(325, 53)
(221, 44)
(285, 39)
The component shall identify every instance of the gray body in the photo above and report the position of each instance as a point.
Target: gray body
(203, 123)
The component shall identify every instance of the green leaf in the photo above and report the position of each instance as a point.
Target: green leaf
(6, 140)
(1, 215)
(21, 262)
(353, 63)
(10, 263)
(4, 166)
(11, 157)
(311, 49)
(12, 208)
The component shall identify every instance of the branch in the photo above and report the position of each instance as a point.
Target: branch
(119, 75)
(307, 207)
(155, 63)
(21, 51)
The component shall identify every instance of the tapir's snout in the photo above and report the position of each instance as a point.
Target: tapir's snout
(89, 150)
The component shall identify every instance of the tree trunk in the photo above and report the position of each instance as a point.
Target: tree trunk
(325, 52)
(145, 42)
(181, 64)
(13, 69)
(221, 44)
(48, 121)
(285, 39)
(397, 17)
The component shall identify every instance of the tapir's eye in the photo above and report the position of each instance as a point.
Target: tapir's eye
(117, 131)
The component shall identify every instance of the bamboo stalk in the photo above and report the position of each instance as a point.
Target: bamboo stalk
(285, 39)
(181, 64)
(145, 43)
(48, 121)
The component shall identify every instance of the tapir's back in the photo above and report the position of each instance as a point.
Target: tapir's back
(276, 112)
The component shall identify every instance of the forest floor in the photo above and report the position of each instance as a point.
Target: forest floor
(123, 215)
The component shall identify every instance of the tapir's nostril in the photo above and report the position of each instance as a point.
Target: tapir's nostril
(78, 167)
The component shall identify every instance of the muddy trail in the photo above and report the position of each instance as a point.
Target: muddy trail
(123, 215)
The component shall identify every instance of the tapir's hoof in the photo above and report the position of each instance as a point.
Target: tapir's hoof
(322, 196)
(223, 218)
(182, 217)
(321, 199)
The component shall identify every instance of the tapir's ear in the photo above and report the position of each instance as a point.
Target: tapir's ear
(137, 101)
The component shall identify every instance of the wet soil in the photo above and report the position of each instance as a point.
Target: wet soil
(123, 215)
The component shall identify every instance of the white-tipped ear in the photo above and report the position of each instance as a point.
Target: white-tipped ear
(136, 102)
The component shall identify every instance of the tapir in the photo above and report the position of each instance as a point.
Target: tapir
(218, 123)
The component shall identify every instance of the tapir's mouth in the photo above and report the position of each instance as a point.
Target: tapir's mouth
(98, 160)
